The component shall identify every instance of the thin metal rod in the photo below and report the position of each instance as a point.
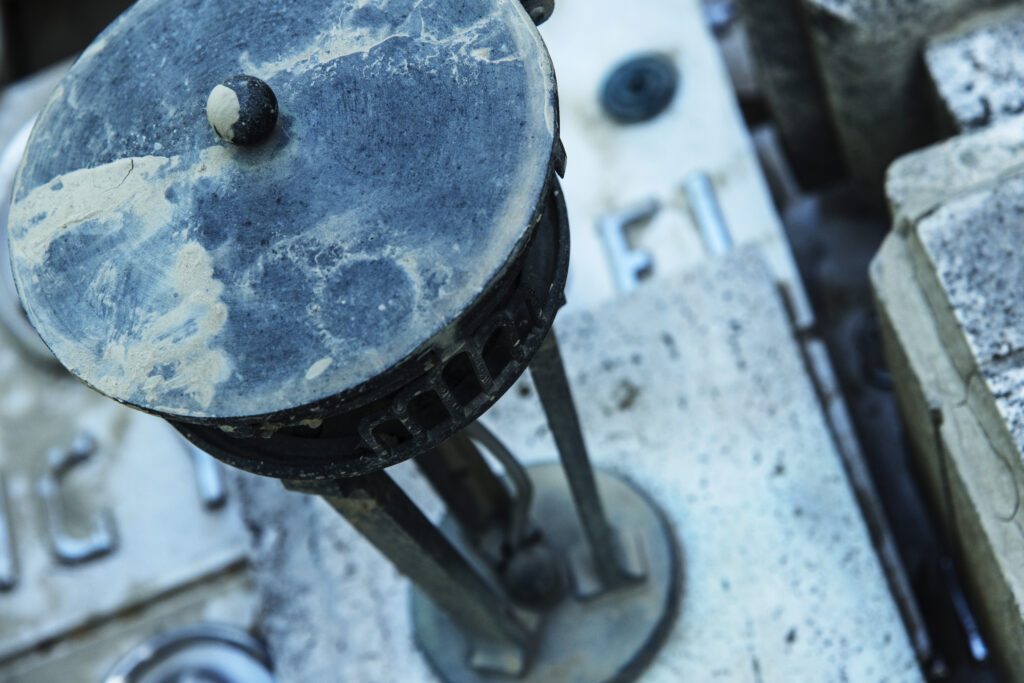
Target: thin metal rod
(385, 516)
(519, 521)
(471, 491)
(552, 385)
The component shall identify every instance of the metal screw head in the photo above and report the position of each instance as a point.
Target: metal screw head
(242, 110)
(640, 88)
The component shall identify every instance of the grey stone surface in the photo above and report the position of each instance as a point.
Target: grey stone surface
(977, 69)
(919, 183)
(947, 283)
(179, 274)
(868, 52)
(972, 244)
(695, 390)
(967, 261)
(974, 480)
(791, 87)
(176, 560)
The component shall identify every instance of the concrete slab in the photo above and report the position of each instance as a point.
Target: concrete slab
(614, 167)
(71, 620)
(966, 260)
(868, 52)
(973, 480)
(918, 183)
(946, 283)
(977, 69)
(697, 391)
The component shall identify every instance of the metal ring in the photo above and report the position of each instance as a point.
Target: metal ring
(143, 660)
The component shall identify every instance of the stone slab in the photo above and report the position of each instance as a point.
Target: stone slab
(947, 284)
(613, 168)
(918, 183)
(868, 52)
(967, 261)
(696, 390)
(975, 482)
(977, 69)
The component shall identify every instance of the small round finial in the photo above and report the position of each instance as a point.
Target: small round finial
(242, 110)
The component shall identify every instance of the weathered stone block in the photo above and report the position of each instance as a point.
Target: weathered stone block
(974, 483)
(977, 69)
(790, 85)
(919, 183)
(869, 55)
(947, 284)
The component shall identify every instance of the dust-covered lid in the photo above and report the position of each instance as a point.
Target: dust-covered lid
(230, 210)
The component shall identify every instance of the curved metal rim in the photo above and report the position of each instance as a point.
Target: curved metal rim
(147, 653)
(396, 375)
(321, 458)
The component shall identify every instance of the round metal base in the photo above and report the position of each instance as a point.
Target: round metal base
(591, 636)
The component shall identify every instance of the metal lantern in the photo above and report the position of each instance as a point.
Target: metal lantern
(321, 239)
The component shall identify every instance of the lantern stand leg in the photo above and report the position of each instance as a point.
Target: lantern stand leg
(472, 493)
(552, 384)
(384, 515)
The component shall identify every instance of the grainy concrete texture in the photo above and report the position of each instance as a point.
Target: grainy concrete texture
(697, 392)
(947, 285)
(977, 69)
(791, 87)
(919, 183)
(868, 52)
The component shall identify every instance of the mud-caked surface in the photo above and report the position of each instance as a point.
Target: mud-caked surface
(173, 271)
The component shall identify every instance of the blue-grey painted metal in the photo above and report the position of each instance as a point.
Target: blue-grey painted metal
(210, 282)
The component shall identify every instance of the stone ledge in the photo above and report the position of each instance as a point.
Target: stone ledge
(919, 183)
(975, 485)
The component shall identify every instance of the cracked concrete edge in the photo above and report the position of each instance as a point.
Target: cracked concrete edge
(919, 183)
(920, 187)
(976, 376)
(976, 489)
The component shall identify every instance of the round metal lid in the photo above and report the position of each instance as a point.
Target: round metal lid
(209, 281)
